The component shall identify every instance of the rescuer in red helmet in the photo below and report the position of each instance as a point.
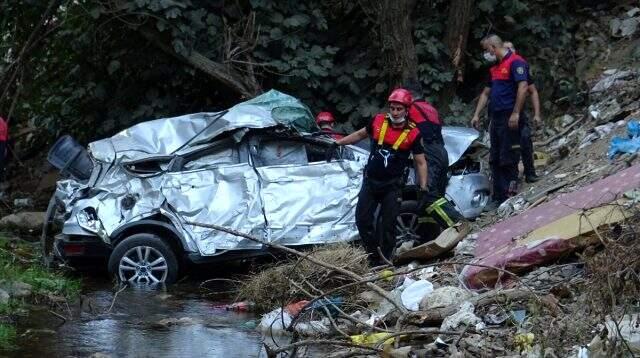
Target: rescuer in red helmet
(393, 139)
(326, 122)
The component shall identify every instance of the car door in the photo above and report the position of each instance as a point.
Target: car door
(218, 187)
(306, 199)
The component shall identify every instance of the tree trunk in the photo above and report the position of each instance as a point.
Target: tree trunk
(455, 40)
(218, 71)
(396, 35)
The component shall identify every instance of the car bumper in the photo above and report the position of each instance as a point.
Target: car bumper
(81, 250)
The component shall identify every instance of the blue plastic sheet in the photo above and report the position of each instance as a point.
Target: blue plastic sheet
(631, 144)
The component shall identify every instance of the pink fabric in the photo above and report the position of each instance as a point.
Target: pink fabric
(497, 248)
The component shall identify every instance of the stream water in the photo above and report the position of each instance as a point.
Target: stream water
(178, 321)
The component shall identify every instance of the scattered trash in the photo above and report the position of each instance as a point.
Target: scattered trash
(467, 246)
(626, 145)
(497, 318)
(445, 242)
(371, 339)
(275, 322)
(524, 342)
(540, 159)
(244, 306)
(415, 292)
(629, 330)
(445, 296)
(295, 308)
(329, 302)
(464, 316)
(518, 316)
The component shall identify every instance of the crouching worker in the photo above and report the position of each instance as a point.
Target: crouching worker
(393, 139)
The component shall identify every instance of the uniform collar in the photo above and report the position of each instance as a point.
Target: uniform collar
(509, 53)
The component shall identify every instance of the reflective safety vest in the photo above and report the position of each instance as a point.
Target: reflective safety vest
(396, 138)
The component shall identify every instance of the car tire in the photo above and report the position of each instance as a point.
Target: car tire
(408, 211)
(144, 259)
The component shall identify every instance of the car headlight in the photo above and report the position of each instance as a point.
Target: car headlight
(88, 220)
(479, 199)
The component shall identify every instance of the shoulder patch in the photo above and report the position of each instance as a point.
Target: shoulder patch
(520, 70)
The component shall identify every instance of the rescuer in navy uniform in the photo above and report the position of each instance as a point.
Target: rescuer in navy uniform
(506, 92)
(393, 139)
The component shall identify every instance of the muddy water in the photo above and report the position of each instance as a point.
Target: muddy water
(174, 322)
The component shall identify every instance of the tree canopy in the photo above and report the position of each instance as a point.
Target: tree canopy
(91, 68)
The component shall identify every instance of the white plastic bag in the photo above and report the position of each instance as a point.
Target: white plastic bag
(414, 293)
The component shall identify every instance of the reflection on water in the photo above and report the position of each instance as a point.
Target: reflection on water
(176, 322)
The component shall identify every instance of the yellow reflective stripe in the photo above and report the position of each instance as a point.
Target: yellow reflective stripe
(383, 132)
(427, 220)
(436, 204)
(444, 216)
(401, 138)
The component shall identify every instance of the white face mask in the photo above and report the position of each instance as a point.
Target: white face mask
(396, 121)
(489, 57)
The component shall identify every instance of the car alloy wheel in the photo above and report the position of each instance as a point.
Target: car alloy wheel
(143, 264)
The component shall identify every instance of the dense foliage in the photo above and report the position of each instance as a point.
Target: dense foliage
(91, 68)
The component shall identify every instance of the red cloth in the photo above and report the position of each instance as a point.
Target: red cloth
(4, 130)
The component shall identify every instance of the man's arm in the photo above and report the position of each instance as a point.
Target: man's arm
(482, 101)
(421, 170)
(354, 137)
(535, 103)
(522, 94)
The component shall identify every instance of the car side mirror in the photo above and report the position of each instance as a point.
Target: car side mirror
(176, 164)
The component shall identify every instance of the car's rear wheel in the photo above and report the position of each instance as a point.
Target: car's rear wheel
(144, 259)
(410, 227)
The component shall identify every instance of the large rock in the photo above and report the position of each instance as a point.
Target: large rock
(18, 289)
(30, 220)
(443, 297)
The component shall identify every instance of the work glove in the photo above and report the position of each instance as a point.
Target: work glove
(333, 148)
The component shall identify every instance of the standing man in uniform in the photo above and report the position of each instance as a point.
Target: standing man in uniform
(506, 92)
(526, 143)
(326, 122)
(393, 139)
(433, 204)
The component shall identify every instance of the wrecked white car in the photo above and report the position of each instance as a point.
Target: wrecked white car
(257, 168)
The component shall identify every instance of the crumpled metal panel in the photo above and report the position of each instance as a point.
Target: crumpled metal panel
(457, 140)
(313, 203)
(227, 196)
(165, 136)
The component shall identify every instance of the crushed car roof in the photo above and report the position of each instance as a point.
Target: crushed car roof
(168, 136)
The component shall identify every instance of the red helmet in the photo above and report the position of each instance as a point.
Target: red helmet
(401, 96)
(325, 117)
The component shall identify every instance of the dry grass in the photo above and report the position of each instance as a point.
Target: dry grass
(614, 271)
(273, 286)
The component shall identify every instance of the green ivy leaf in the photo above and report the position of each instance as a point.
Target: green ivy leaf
(113, 66)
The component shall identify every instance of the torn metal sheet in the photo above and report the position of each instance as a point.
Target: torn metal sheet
(547, 231)
(457, 140)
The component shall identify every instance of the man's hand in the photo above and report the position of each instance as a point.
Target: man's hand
(333, 148)
(514, 120)
(537, 121)
(475, 122)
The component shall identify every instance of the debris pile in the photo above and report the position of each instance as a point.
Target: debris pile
(554, 273)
